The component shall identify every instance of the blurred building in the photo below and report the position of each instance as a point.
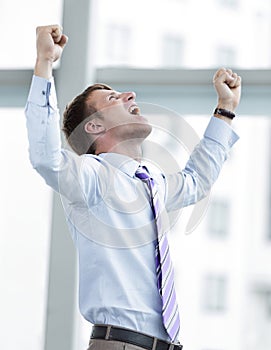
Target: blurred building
(166, 50)
(224, 279)
(182, 33)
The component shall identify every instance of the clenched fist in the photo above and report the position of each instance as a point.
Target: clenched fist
(228, 88)
(50, 44)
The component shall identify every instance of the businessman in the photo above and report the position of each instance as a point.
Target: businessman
(116, 207)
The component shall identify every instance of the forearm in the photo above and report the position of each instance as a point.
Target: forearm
(209, 156)
(43, 127)
(203, 167)
(202, 170)
(43, 68)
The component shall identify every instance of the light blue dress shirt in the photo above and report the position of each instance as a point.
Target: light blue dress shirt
(109, 215)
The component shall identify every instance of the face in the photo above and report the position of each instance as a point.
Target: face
(121, 115)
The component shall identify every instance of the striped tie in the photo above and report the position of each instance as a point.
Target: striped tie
(164, 268)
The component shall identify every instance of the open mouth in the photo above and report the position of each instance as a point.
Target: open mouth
(134, 110)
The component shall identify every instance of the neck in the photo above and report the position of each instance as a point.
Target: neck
(130, 148)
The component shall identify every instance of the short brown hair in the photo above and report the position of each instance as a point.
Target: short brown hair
(75, 113)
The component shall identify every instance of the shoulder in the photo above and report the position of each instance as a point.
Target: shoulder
(94, 166)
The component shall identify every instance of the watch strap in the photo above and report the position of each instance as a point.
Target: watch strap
(224, 112)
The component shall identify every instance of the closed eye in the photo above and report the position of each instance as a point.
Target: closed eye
(113, 96)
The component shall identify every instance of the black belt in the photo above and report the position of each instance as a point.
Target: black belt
(125, 335)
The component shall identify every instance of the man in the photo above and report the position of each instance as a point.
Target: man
(116, 210)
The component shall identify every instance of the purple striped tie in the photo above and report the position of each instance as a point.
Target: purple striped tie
(164, 268)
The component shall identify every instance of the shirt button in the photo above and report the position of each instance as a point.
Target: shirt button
(43, 92)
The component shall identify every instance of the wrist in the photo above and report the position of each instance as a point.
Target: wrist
(43, 68)
(224, 114)
(228, 105)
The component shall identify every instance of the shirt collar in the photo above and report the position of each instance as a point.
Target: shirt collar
(124, 163)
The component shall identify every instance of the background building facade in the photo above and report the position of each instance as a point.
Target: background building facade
(166, 51)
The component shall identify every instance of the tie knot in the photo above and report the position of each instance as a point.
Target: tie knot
(142, 173)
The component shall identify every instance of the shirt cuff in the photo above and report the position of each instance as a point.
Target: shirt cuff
(42, 92)
(221, 132)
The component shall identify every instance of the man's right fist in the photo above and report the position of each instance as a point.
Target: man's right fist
(50, 43)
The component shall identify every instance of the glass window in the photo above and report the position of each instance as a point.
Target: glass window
(25, 212)
(143, 49)
(226, 56)
(260, 314)
(218, 218)
(243, 26)
(118, 43)
(214, 293)
(172, 51)
(18, 21)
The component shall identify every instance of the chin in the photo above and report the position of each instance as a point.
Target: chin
(142, 130)
(133, 130)
(148, 129)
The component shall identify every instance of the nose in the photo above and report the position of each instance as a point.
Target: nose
(128, 96)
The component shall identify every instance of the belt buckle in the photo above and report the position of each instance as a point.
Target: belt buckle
(108, 331)
(175, 346)
(179, 345)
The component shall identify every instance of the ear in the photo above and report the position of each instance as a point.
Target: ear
(94, 127)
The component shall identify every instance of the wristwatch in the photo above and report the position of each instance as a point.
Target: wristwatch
(224, 113)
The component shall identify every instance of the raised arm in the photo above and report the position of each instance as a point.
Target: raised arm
(203, 167)
(59, 167)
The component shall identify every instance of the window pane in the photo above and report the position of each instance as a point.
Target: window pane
(206, 34)
(218, 218)
(214, 293)
(118, 43)
(172, 51)
(18, 21)
(25, 211)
